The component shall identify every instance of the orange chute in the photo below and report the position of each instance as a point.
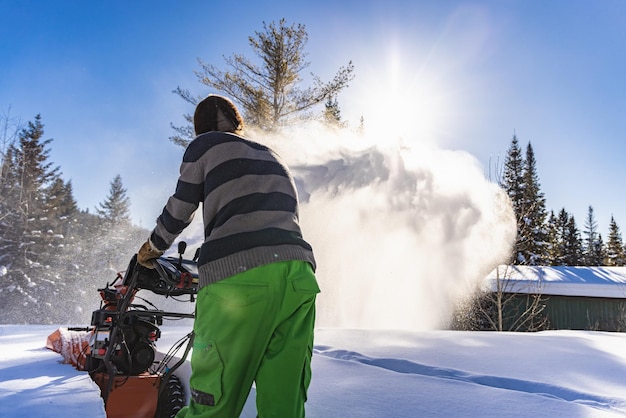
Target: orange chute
(72, 345)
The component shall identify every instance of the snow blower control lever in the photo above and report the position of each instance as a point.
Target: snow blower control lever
(171, 276)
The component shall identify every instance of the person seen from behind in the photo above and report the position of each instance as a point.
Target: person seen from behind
(255, 308)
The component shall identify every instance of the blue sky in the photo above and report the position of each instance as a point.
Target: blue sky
(464, 74)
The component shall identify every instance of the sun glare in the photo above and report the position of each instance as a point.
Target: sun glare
(402, 100)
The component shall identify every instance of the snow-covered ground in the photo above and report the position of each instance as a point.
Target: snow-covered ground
(374, 373)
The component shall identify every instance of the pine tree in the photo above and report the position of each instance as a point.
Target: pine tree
(38, 178)
(534, 240)
(269, 92)
(31, 234)
(115, 210)
(332, 113)
(31, 175)
(557, 232)
(614, 255)
(564, 238)
(59, 203)
(521, 183)
(599, 252)
(573, 244)
(592, 243)
(513, 184)
(117, 237)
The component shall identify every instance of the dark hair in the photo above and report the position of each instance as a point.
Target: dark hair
(207, 115)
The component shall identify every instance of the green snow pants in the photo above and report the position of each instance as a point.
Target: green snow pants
(256, 326)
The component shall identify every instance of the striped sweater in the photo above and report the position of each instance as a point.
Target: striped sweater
(250, 207)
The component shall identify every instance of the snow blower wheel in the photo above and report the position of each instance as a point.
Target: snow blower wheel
(171, 398)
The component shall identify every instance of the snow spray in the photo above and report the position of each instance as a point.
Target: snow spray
(400, 229)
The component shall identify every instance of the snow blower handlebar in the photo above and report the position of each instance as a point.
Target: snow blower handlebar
(158, 265)
(171, 276)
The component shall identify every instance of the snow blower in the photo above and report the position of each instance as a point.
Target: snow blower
(118, 349)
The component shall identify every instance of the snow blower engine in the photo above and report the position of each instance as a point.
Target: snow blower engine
(122, 350)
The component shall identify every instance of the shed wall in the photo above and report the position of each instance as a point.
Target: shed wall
(579, 313)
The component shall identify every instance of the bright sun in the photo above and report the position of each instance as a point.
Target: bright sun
(401, 99)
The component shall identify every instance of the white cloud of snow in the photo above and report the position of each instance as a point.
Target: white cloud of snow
(400, 228)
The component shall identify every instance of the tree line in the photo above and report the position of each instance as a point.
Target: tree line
(53, 255)
(552, 238)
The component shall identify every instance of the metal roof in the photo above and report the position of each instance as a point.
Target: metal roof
(608, 282)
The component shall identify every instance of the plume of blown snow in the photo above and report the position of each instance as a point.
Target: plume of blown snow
(400, 228)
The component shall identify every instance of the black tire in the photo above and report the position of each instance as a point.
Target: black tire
(171, 398)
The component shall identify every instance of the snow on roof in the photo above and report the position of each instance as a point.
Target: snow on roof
(607, 282)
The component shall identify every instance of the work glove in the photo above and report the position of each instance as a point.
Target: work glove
(147, 253)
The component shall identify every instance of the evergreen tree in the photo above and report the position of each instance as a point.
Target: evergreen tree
(115, 209)
(573, 244)
(592, 242)
(59, 203)
(599, 251)
(556, 227)
(614, 255)
(30, 177)
(513, 184)
(118, 237)
(534, 241)
(30, 231)
(564, 238)
(269, 92)
(332, 113)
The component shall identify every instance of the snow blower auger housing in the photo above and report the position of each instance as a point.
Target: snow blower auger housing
(122, 351)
